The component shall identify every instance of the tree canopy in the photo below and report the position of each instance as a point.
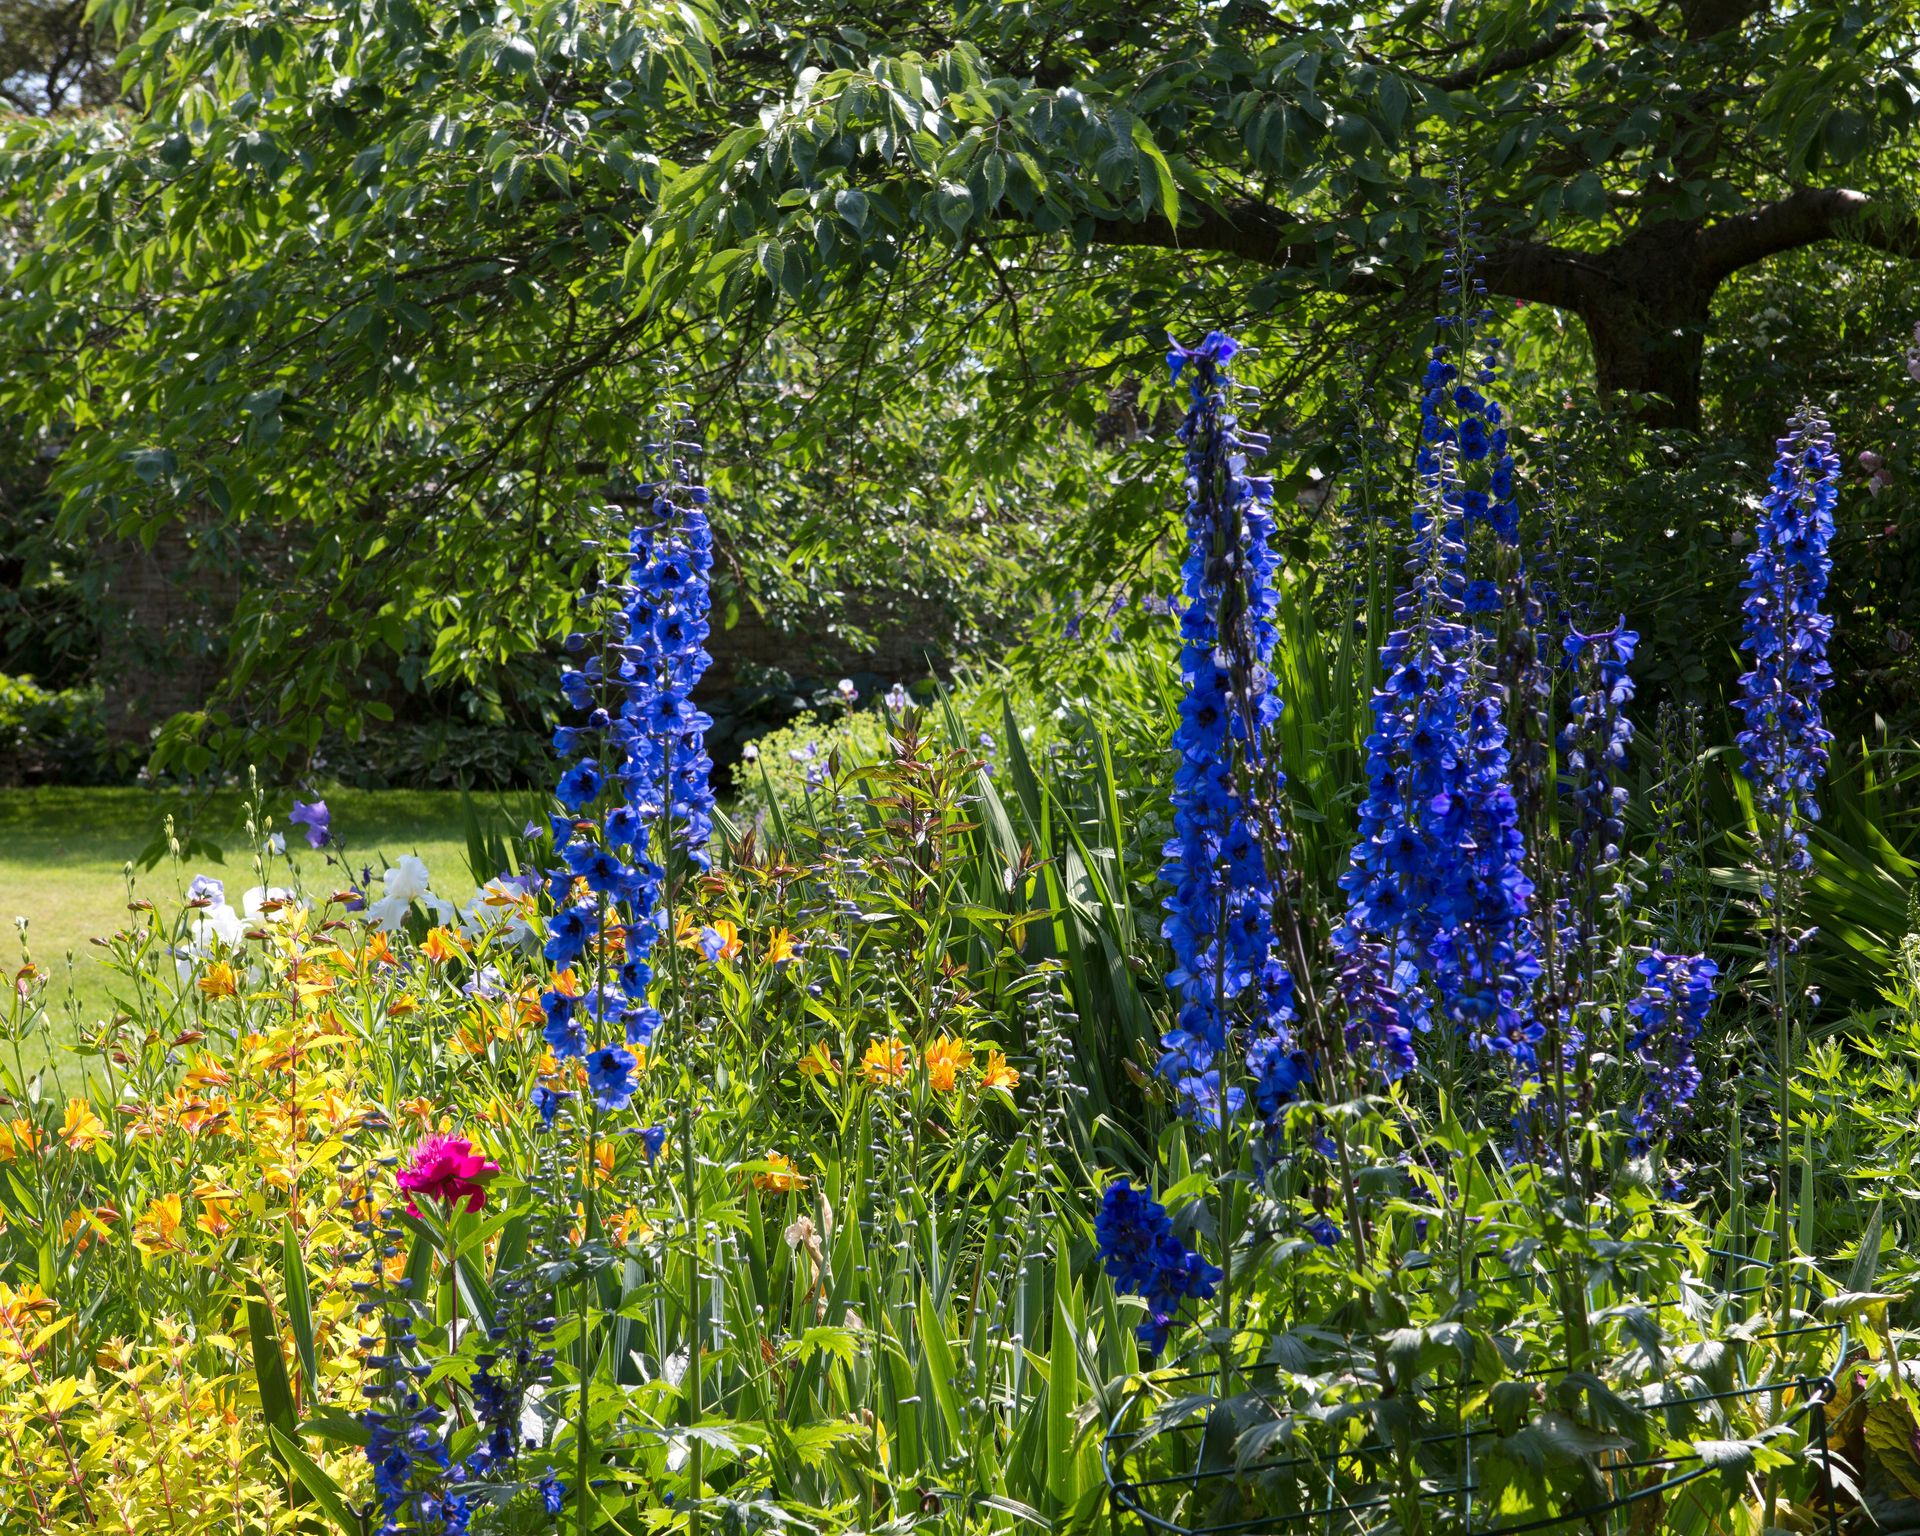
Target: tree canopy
(391, 285)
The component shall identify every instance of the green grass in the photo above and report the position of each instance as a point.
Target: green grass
(64, 856)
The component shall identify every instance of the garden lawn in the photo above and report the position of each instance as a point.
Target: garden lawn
(64, 855)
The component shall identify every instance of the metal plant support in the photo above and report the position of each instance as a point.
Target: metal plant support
(1180, 1465)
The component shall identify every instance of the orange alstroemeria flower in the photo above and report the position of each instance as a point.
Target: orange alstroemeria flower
(781, 1177)
(206, 1073)
(82, 1129)
(946, 1059)
(819, 1062)
(442, 945)
(158, 1229)
(884, 1063)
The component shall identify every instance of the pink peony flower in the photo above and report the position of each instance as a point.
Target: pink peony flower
(447, 1169)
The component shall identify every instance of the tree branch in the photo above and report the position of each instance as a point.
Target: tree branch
(1505, 62)
(1252, 231)
(1801, 218)
(1541, 274)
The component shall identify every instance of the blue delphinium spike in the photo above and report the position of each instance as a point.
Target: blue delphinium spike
(1144, 1258)
(1784, 742)
(1235, 994)
(1438, 900)
(1676, 994)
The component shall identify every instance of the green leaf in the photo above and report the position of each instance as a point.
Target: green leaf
(1063, 1394)
(299, 1310)
(1166, 194)
(516, 55)
(1586, 196)
(270, 1367)
(939, 1360)
(954, 204)
(325, 1491)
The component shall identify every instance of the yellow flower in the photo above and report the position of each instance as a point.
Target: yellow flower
(196, 1115)
(220, 980)
(216, 1208)
(781, 948)
(19, 1138)
(885, 1062)
(82, 1129)
(997, 1074)
(310, 982)
(158, 1228)
(28, 1319)
(442, 945)
(819, 1062)
(727, 934)
(83, 1228)
(781, 1176)
(947, 1058)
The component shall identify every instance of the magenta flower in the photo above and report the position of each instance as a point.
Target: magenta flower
(447, 1169)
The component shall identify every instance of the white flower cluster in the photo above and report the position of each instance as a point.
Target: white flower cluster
(502, 910)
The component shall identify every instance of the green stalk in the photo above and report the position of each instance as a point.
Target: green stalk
(585, 1312)
(696, 1404)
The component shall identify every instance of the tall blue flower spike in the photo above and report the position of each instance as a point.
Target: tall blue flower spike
(1233, 989)
(1784, 743)
(644, 737)
(1438, 901)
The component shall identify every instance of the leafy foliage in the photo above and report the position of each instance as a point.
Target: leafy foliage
(385, 290)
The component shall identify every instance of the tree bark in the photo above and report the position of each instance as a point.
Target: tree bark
(1646, 310)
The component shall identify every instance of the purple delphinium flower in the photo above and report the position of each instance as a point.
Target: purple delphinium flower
(1593, 757)
(610, 1075)
(565, 1029)
(548, 1101)
(1438, 901)
(315, 819)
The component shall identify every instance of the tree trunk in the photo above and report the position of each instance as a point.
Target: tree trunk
(1646, 314)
